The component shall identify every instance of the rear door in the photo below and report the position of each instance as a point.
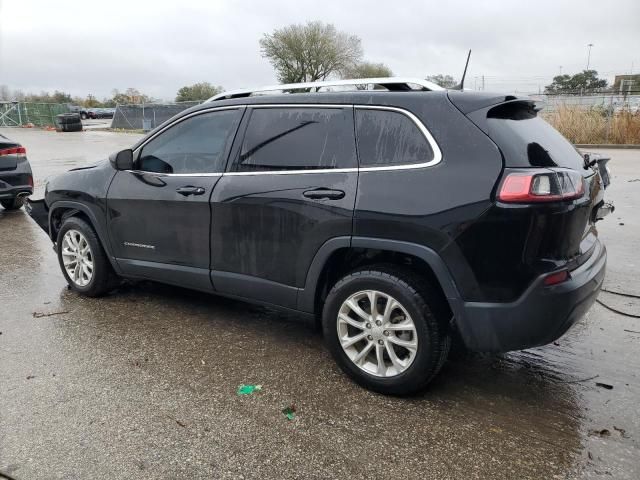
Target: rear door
(289, 188)
(159, 214)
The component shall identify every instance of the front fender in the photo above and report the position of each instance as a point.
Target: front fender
(98, 224)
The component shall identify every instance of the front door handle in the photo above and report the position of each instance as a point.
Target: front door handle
(319, 193)
(190, 190)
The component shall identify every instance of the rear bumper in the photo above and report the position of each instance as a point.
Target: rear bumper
(540, 316)
(13, 192)
(38, 211)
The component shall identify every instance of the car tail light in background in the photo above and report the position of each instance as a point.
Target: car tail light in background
(557, 277)
(20, 151)
(545, 186)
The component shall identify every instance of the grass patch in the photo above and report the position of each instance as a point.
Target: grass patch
(581, 125)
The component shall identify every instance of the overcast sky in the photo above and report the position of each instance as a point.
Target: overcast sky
(85, 47)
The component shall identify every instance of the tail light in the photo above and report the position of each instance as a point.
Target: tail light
(20, 151)
(545, 186)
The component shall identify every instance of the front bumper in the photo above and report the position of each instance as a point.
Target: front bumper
(38, 211)
(541, 315)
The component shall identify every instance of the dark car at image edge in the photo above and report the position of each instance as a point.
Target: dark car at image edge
(400, 217)
(16, 178)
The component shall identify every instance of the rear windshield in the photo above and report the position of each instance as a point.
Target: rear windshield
(526, 140)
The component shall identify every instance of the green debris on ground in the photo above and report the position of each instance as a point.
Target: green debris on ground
(248, 389)
(289, 412)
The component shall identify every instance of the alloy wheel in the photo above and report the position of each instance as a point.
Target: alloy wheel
(377, 333)
(77, 257)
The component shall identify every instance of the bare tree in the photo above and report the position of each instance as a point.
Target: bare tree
(367, 70)
(445, 81)
(306, 53)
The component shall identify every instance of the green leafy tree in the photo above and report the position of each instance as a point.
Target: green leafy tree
(197, 92)
(130, 96)
(60, 97)
(367, 70)
(306, 53)
(445, 81)
(585, 81)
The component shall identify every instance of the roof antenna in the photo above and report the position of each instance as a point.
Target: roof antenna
(460, 86)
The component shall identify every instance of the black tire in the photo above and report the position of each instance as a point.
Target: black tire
(83, 116)
(65, 118)
(103, 279)
(419, 299)
(12, 203)
(71, 127)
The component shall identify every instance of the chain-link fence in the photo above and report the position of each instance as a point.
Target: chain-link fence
(19, 114)
(146, 116)
(604, 102)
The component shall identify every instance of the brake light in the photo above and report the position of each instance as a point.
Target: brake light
(20, 151)
(547, 186)
(556, 278)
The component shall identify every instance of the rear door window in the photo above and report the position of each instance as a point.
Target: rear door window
(297, 138)
(389, 138)
(196, 145)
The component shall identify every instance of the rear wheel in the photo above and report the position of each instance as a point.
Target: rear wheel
(12, 203)
(82, 259)
(380, 325)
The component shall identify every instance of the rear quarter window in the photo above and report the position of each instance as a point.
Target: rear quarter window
(389, 138)
(526, 140)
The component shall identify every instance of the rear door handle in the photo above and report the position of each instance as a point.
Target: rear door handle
(190, 190)
(319, 193)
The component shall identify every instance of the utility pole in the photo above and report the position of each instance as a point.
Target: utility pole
(589, 54)
(560, 70)
(483, 83)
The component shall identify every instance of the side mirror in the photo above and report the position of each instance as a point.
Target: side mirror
(123, 160)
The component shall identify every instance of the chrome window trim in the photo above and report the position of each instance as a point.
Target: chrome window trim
(158, 174)
(437, 153)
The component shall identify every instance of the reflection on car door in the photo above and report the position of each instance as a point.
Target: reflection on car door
(159, 214)
(290, 188)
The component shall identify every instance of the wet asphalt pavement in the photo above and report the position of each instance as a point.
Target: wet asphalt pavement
(142, 383)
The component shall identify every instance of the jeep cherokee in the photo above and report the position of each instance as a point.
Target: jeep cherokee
(400, 216)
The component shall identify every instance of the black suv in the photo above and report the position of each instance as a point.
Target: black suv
(400, 217)
(16, 179)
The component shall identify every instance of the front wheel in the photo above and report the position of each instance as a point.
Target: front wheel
(381, 328)
(82, 259)
(13, 203)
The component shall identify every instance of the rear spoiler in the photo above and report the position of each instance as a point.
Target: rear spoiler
(469, 102)
(477, 106)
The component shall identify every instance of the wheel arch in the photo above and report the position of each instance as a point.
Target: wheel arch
(342, 254)
(61, 210)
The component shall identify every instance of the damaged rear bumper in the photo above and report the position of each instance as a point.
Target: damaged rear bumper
(540, 316)
(39, 212)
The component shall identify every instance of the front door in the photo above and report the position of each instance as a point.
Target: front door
(159, 214)
(290, 187)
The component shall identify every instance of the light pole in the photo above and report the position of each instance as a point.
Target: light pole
(589, 54)
(560, 70)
